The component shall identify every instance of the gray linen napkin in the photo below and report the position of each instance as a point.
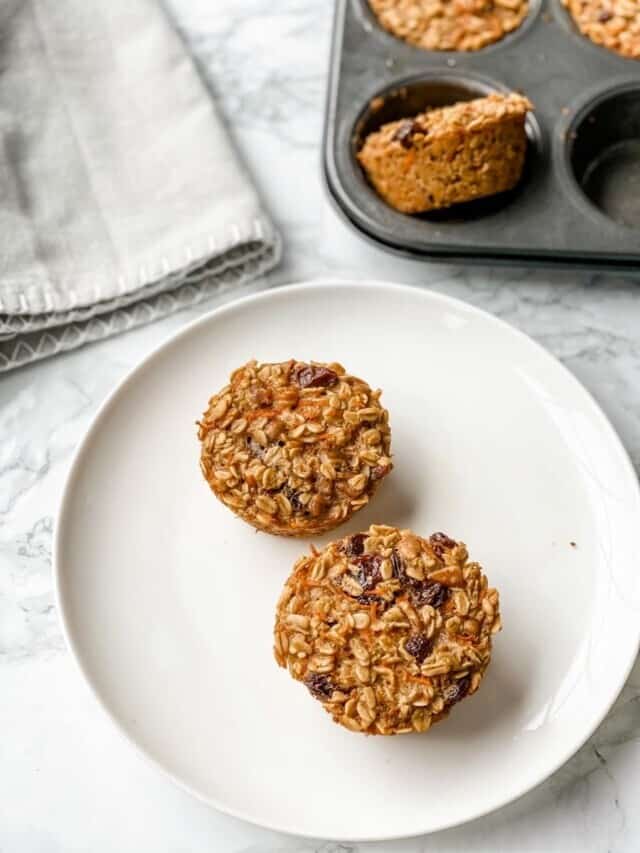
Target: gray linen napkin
(121, 199)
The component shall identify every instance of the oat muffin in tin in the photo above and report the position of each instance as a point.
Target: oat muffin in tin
(295, 448)
(450, 24)
(386, 629)
(449, 155)
(614, 24)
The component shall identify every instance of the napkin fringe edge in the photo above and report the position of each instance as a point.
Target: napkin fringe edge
(29, 300)
(27, 348)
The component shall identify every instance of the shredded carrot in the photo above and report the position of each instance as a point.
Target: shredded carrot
(313, 401)
(419, 678)
(466, 638)
(346, 594)
(262, 413)
(408, 160)
(309, 412)
(367, 634)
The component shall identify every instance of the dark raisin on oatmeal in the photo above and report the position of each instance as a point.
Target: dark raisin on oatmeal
(368, 566)
(320, 686)
(355, 545)
(314, 376)
(456, 691)
(420, 646)
(440, 543)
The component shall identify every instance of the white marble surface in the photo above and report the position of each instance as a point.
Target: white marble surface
(67, 781)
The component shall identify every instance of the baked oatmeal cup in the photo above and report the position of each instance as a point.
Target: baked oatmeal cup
(386, 629)
(614, 24)
(295, 448)
(465, 25)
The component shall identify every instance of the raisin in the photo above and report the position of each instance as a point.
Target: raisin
(294, 499)
(404, 133)
(422, 592)
(399, 572)
(440, 543)
(420, 646)
(320, 686)
(605, 16)
(370, 599)
(398, 567)
(368, 570)
(456, 691)
(354, 545)
(430, 592)
(314, 376)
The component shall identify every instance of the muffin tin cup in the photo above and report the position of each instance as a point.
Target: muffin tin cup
(572, 206)
(602, 154)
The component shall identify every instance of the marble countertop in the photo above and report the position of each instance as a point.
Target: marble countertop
(67, 780)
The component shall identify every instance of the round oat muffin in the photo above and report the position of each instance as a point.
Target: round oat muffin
(295, 448)
(614, 24)
(386, 629)
(450, 24)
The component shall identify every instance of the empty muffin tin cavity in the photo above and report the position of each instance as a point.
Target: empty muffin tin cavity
(603, 153)
(414, 96)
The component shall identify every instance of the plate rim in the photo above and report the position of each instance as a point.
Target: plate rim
(266, 294)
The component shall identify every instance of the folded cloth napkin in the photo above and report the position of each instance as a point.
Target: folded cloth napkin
(121, 199)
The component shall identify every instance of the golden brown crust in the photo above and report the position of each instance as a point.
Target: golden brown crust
(295, 448)
(450, 24)
(386, 629)
(449, 155)
(614, 24)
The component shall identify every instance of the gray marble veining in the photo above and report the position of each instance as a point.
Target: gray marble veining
(66, 780)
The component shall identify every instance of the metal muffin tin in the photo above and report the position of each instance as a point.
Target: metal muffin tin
(578, 203)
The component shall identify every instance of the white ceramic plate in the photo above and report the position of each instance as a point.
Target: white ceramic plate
(168, 600)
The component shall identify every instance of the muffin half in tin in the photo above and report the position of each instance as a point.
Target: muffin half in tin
(449, 155)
